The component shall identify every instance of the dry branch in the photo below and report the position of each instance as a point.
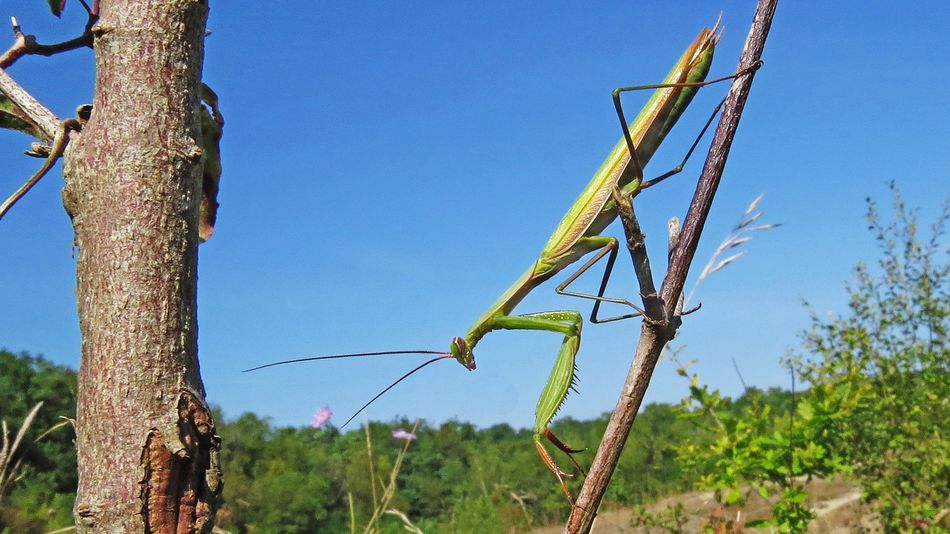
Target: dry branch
(38, 113)
(25, 45)
(658, 329)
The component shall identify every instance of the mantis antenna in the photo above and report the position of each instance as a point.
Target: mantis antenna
(390, 386)
(442, 356)
(353, 355)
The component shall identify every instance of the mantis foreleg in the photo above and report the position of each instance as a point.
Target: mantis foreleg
(562, 378)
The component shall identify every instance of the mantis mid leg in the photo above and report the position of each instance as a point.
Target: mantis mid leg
(609, 250)
(562, 379)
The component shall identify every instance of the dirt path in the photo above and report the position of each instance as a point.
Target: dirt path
(836, 503)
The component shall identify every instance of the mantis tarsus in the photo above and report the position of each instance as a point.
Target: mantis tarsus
(577, 235)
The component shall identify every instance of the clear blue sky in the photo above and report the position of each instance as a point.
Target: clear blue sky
(390, 168)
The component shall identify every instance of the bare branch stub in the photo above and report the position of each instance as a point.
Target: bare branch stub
(655, 335)
(26, 45)
(636, 244)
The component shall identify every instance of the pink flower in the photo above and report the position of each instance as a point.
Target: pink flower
(402, 434)
(321, 417)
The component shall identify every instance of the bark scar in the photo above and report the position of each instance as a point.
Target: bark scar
(180, 488)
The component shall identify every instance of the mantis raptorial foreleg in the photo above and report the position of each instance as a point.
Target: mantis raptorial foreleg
(562, 378)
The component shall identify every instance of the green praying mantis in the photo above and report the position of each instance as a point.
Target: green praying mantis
(577, 235)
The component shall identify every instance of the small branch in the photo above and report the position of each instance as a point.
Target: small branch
(636, 244)
(673, 237)
(654, 335)
(26, 45)
(56, 150)
(42, 117)
(701, 204)
(656, 331)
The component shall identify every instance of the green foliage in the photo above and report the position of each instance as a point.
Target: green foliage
(746, 447)
(454, 478)
(887, 365)
(876, 409)
(42, 500)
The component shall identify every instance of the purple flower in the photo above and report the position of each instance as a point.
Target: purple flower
(321, 417)
(402, 434)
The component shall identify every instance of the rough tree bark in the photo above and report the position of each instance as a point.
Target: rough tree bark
(145, 438)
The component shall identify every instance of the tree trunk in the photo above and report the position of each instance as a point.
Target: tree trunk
(145, 438)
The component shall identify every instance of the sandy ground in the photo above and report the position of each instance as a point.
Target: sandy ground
(837, 503)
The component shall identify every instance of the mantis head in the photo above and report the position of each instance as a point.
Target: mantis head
(462, 353)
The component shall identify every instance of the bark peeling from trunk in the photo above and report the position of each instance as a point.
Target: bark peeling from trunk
(182, 485)
(147, 453)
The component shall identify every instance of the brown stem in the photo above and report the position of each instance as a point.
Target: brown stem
(699, 208)
(636, 244)
(26, 45)
(654, 335)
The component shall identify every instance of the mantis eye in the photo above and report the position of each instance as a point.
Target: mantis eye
(458, 347)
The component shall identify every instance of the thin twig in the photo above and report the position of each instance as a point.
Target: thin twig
(26, 45)
(745, 388)
(655, 334)
(56, 150)
(372, 472)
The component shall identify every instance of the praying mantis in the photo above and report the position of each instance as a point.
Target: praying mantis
(577, 235)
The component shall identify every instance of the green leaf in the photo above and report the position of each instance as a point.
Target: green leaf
(56, 6)
(13, 118)
(805, 410)
(733, 496)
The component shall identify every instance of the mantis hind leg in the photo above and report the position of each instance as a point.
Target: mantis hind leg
(635, 161)
(692, 148)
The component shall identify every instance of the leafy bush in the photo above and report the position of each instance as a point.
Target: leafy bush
(877, 406)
